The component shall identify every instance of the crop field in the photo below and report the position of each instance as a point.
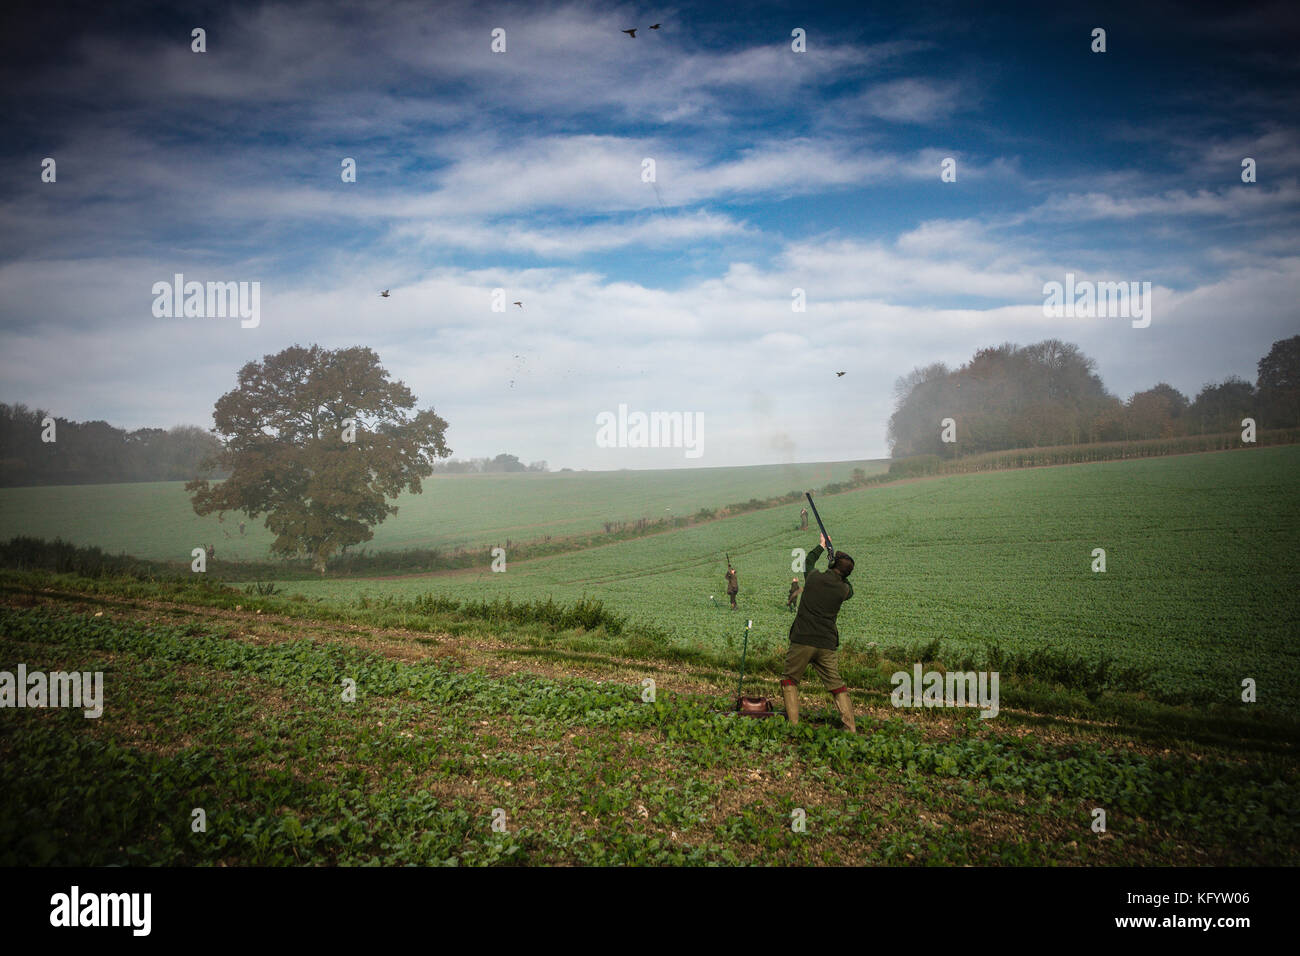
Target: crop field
(154, 519)
(485, 750)
(1199, 592)
(494, 734)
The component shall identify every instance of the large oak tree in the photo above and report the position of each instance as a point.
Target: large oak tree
(285, 432)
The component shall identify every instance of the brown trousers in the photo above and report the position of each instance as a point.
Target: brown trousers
(823, 661)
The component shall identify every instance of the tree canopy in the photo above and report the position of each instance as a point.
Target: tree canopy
(318, 441)
(1279, 383)
(1008, 396)
(1048, 393)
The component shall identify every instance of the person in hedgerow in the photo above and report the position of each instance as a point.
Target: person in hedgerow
(733, 585)
(814, 638)
(792, 599)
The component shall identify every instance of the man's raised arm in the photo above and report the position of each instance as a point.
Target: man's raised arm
(810, 561)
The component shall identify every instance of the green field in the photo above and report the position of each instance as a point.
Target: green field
(242, 716)
(154, 520)
(1202, 553)
(223, 698)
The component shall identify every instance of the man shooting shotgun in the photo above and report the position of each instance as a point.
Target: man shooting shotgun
(733, 583)
(814, 637)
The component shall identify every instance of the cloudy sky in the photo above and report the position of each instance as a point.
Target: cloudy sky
(523, 170)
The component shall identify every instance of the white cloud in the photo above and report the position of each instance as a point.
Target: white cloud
(909, 100)
(530, 381)
(657, 230)
(1235, 202)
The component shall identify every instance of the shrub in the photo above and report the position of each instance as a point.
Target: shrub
(915, 465)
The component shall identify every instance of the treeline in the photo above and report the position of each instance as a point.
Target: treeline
(1049, 395)
(918, 465)
(98, 453)
(39, 449)
(84, 453)
(482, 466)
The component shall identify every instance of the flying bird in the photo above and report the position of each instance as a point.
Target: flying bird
(838, 374)
(654, 26)
(384, 294)
(520, 304)
(631, 33)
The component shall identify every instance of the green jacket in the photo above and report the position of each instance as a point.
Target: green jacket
(823, 593)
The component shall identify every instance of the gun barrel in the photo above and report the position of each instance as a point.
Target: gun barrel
(830, 549)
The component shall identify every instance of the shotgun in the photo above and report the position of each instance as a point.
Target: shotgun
(830, 549)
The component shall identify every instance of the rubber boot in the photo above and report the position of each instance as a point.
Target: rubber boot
(845, 706)
(790, 694)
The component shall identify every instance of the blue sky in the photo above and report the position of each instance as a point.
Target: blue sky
(522, 170)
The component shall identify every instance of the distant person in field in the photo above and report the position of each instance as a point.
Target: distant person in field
(733, 585)
(814, 638)
(803, 519)
(793, 598)
(212, 552)
(241, 528)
